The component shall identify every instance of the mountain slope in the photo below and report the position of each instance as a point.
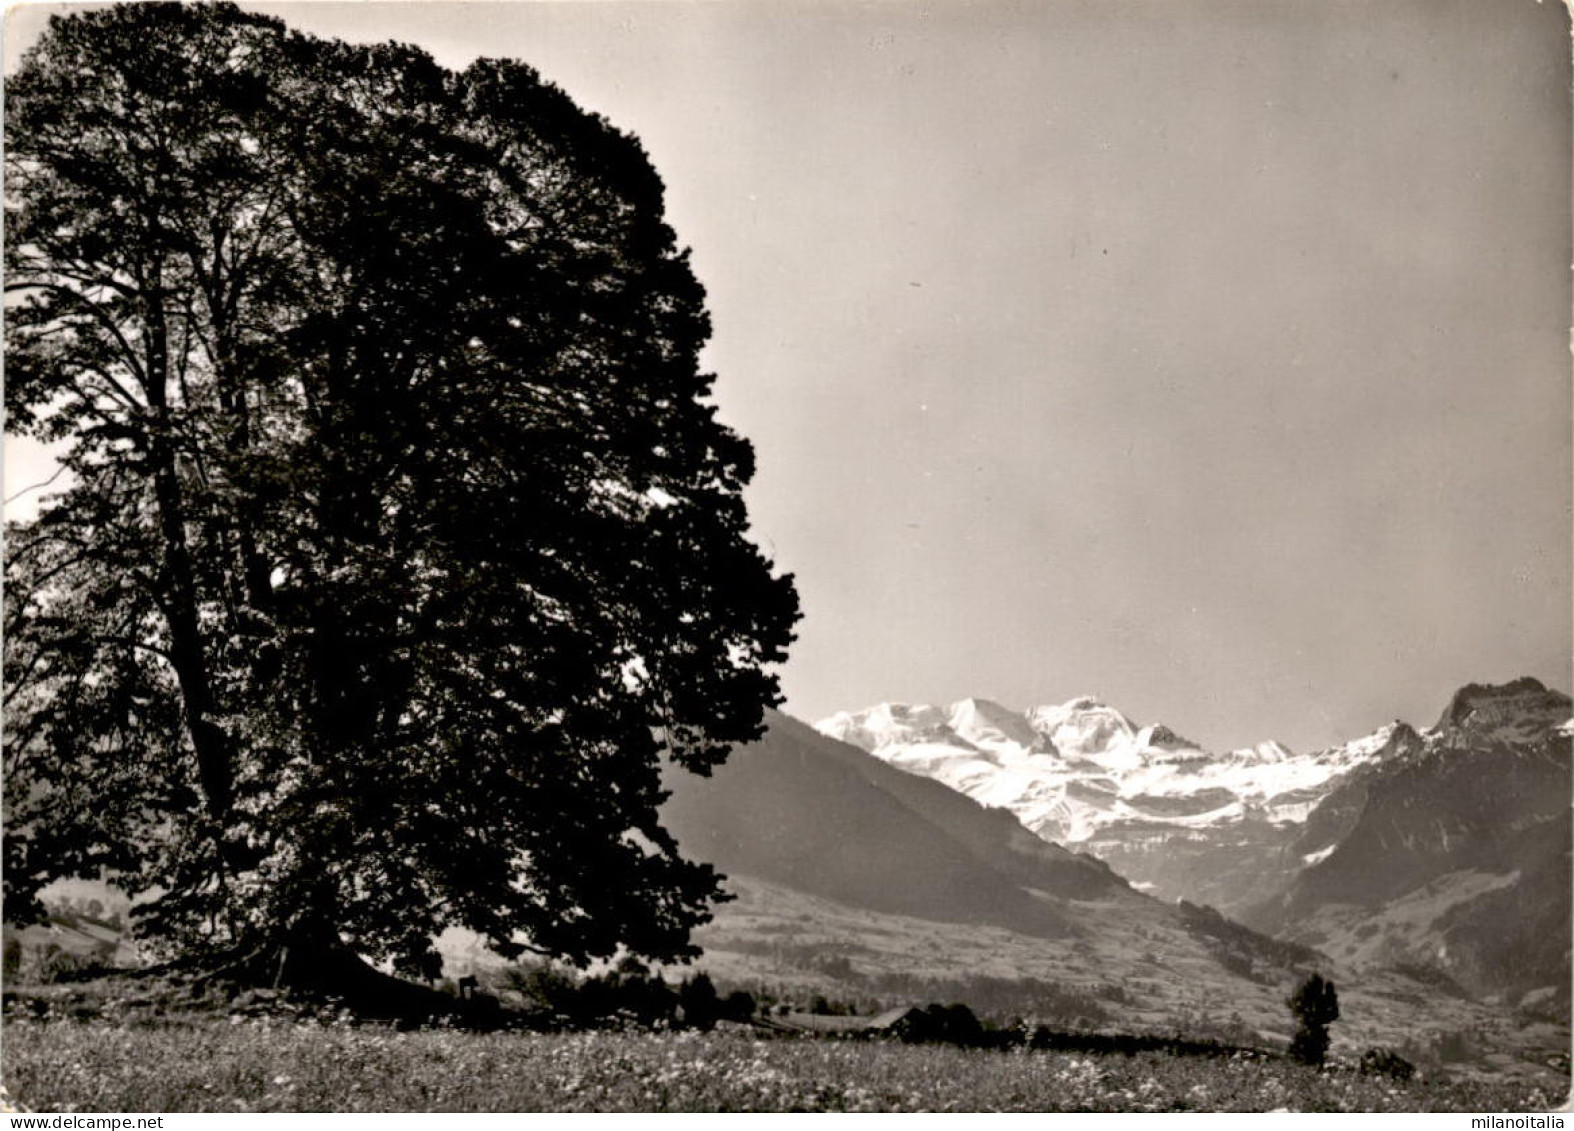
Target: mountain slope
(823, 818)
(1455, 855)
(804, 812)
(992, 835)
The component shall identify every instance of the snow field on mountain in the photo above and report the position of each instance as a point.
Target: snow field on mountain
(1069, 771)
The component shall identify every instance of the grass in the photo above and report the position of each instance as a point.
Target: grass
(268, 1064)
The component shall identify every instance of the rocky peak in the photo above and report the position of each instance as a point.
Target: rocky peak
(1163, 737)
(1523, 709)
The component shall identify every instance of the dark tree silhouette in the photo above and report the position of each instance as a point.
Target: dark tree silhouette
(701, 1004)
(739, 1005)
(1316, 1006)
(402, 545)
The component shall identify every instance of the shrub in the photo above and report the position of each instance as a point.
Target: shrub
(701, 1006)
(618, 998)
(56, 964)
(1386, 1062)
(942, 1024)
(545, 989)
(13, 959)
(621, 998)
(50, 962)
(738, 1006)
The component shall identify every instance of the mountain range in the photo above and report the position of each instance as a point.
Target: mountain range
(1446, 848)
(852, 873)
(1169, 816)
(848, 867)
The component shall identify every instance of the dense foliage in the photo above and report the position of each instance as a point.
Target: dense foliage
(1315, 1005)
(401, 546)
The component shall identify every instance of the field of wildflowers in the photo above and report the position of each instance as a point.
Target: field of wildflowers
(268, 1064)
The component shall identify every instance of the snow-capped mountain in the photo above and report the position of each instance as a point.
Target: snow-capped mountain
(1171, 817)
(1454, 856)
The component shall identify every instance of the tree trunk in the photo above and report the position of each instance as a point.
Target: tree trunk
(187, 654)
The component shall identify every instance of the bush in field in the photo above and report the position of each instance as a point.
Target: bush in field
(544, 988)
(1386, 1062)
(1316, 1006)
(700, 1002)
(738, 1006)
(623, 996)
(13, 959)
(952, 1024)
(53, 964)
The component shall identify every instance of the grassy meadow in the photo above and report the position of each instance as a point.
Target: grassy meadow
(74, 1040)
(234, 1063)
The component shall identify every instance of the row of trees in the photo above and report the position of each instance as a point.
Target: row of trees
(402, 545)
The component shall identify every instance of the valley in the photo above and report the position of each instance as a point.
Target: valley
(846, 869)
(1130, 976)
(1446, 848)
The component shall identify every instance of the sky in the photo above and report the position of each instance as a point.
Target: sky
(1208, 356)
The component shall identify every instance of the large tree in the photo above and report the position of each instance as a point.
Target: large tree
(402, 545)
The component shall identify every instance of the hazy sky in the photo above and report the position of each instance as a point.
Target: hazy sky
(1209, 357)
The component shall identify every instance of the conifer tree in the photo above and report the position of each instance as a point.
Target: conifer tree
(1315, 1005)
